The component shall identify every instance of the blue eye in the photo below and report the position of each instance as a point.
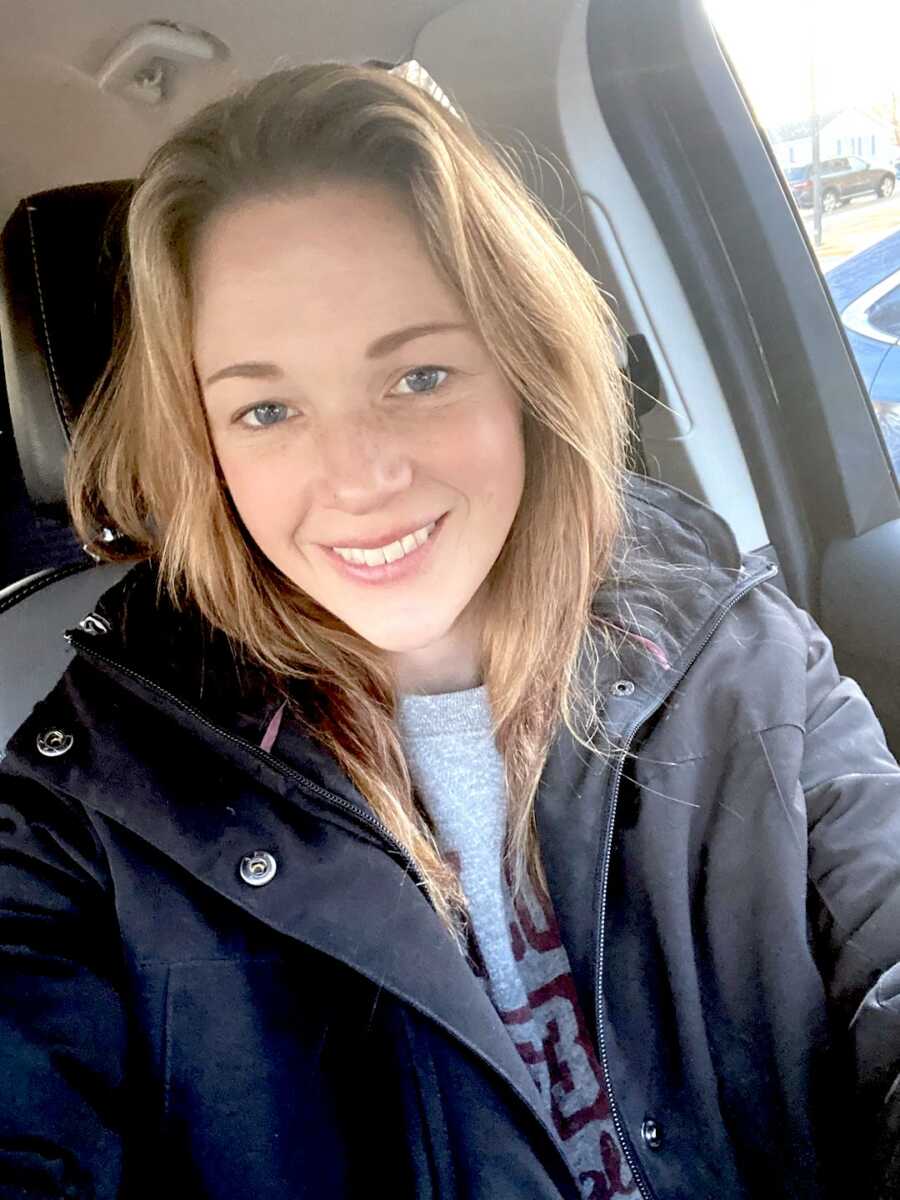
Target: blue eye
(264, 414)
(424, 380)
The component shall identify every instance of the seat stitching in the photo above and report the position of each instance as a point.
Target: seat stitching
(57, 390)
(43, 581)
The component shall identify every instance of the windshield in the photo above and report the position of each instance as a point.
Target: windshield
(795, 174)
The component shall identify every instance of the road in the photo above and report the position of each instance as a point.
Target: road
(864, 221)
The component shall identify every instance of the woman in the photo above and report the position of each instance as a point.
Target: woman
(436, 807)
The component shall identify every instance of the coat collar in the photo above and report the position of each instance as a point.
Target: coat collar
(678, 570)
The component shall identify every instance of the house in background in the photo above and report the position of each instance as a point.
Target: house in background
(847, 131)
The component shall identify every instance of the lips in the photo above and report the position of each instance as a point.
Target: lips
(390, 572)
(377, 543)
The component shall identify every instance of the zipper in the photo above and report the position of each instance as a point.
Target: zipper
(257, 752)
(643, 1186)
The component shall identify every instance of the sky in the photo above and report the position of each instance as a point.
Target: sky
(856, 44)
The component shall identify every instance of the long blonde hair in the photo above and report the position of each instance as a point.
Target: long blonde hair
(143, 460)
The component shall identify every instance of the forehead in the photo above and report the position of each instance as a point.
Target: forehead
(292, 265)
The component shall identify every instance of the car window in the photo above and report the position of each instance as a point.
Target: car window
(818, 105)
(796, 174)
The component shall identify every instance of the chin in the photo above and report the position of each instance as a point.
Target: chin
(397, 642)
(401, 639)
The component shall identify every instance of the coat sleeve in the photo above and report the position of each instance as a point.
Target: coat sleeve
(62, 1029)
(851, 783)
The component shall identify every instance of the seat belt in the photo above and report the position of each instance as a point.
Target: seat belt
(643, 390)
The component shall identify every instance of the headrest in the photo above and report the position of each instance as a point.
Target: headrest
(60, 255)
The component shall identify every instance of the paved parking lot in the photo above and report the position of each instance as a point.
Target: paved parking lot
(864, 221)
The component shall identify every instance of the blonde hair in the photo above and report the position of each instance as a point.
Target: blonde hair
(143, 433)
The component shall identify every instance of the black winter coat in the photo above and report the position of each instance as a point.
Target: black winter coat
(729, 899)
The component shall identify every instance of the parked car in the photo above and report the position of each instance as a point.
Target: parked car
(842, 179)
(866, 292)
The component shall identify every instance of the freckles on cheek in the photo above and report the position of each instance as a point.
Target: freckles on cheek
(259, 495)
(492, 447)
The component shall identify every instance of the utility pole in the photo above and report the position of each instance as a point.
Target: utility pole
(816, 158)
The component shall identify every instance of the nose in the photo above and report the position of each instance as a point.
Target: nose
(361, 462)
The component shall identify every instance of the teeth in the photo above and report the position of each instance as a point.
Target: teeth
(386, 554)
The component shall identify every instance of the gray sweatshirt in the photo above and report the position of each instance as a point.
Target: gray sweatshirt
(518, 953)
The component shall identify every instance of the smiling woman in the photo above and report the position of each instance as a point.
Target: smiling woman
(281, 249)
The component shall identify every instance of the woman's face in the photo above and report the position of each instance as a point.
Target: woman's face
(350, 401)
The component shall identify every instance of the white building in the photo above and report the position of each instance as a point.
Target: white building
(849, 131)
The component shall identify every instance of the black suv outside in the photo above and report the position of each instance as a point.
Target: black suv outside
(842, 179)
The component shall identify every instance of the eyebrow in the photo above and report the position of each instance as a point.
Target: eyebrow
(381, 347)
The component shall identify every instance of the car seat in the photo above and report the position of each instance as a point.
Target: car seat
(60, 255)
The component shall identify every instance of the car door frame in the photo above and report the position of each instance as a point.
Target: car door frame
(705, 171)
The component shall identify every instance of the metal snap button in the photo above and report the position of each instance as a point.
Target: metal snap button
(53, 742)
(651, 1134)
(93, 623)
(623, 687)
(258, 868)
